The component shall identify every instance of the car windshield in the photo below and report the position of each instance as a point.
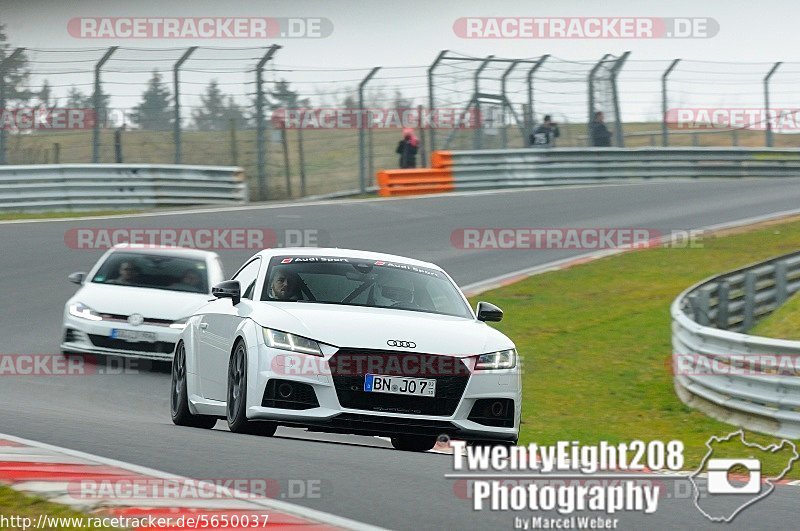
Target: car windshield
(156, 271)
(358, 282)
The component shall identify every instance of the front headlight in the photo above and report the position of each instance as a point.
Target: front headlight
(287, 341)
(78, 309)
(180, 324)
(504, 359)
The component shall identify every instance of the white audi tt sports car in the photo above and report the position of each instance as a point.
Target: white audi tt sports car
(136, 299)
(347, 341)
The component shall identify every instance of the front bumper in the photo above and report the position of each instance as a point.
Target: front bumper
(81, 336)
(330, 416)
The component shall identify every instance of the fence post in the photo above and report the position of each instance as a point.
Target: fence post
(234, 150)
(590, 82)
(3, 64)
(96, 103)
(177, 98)
(302, 160)
(749, 300)
(478, 138)
(781, 289)
(722, 305)
(286, 164)
(618, 64)
(431, 100)
(531, 113)
(56, 153)
(263, 190)
(422, 157)
(503, 132)
(768, 130)
(664, 109)
(362, 155)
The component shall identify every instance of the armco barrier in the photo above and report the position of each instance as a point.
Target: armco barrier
(117, 186)
(538, 167)
(708, 324)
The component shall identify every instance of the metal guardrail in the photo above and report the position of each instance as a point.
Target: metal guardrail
(722, 371)
(532, 167)
(67, 187)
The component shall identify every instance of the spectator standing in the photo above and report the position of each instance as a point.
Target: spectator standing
(599, 133)
(545, 135)
(407, 149)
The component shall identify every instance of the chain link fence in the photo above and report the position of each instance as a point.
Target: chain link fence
(303, 130)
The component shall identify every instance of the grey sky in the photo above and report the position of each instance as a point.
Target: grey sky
(412, 32)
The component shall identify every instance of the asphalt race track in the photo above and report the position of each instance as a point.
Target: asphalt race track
(126, 417)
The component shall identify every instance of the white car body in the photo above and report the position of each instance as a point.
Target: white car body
(340, 405)
(146, 312)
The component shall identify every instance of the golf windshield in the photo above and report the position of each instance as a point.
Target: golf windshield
(154, 271)
(358, 282)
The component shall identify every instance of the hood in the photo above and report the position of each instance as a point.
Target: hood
(152, 303)
(371, 328)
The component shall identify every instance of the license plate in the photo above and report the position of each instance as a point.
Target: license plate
(134, 336)
(399, 385)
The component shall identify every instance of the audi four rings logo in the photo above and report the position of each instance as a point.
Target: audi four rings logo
(401, 344)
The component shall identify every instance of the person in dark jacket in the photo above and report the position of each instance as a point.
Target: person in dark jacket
(407, 149)
(545, 135)
(599, 133)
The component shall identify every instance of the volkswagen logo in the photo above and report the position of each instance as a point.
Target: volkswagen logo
(136, 319)
(401, 344)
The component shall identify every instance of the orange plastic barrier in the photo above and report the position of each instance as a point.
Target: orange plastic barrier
(441, 159)
(414, 181)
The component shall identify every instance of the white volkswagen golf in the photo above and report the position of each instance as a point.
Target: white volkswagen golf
(135, 301)
(347, 341)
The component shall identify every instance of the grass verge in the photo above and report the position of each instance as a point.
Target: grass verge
(783, 323)
(595, 341)
(15, 504)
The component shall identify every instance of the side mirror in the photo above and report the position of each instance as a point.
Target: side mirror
(77, 278)
(489, 312)
(228, 289)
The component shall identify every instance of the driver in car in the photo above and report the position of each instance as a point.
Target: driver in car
(127, 274)
(285, 285)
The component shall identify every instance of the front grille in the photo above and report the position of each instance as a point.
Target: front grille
(372, 425)
(162, 347)
(348, 367)
(124, 318)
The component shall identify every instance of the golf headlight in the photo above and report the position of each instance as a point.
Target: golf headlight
(287, 341)
(78, 309)
(504, 359)
(180, 324)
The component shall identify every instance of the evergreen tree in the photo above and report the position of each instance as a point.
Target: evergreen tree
(211, 116)
(17, 72)
(154, 113)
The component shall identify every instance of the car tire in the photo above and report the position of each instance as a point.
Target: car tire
(411, 443)
(236, 405)
(179, 397)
